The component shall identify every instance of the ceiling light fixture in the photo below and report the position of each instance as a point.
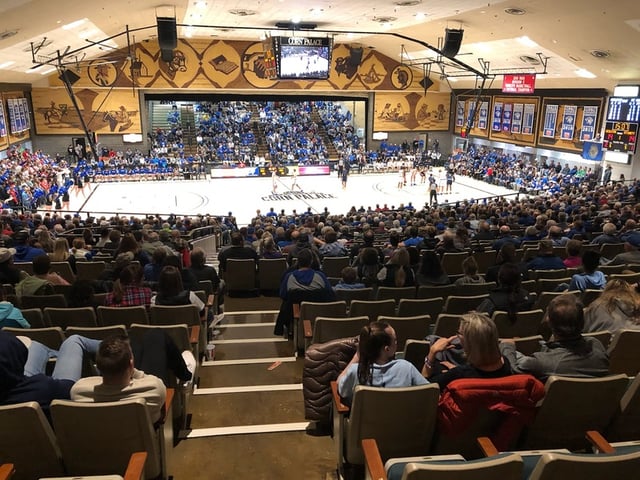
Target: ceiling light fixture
(581, 72)
(515, 11)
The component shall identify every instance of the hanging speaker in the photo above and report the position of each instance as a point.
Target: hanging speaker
(425, 83)
(452, 42)
(355, 57)
(167, 33)
(69, 77)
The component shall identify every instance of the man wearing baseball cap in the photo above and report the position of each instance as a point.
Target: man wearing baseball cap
(631, 250)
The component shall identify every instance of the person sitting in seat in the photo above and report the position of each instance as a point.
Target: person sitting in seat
(546, 259)
(617, 308)
(42, 280)
(349, 280)
(397, 271)
(23, 363)
(121, 380)
(172, 292)
(237, 250)
(471, 275)
(508, 296)
(375, 364)
(479, 338)
(24, 252)
(9, 273)
(568, 352)
(10, 316)
(303, 283)
(128, 290)
(591, 277)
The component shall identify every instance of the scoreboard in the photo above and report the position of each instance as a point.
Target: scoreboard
(620, 136)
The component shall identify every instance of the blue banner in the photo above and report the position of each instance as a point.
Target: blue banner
(592, 151)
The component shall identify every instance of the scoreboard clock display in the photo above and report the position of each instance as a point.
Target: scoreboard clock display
(620, 136)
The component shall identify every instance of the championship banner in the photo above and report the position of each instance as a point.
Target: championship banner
(589, 117)
(496, 121)
(483, 116)
(516, 126)
(528, 118)
(460, 113)
(506, 117)
(3, 122)
(568, 122)
(550, 117)
(472, 113)
(520, 83)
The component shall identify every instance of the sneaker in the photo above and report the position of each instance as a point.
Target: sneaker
(217, 319)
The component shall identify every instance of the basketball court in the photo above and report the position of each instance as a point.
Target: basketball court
(243, 196)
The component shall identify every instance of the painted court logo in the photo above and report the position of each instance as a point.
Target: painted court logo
(290, 196)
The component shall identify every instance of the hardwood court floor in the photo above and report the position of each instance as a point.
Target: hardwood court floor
(243, 196)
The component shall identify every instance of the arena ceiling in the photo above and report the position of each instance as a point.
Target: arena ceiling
(588, 43)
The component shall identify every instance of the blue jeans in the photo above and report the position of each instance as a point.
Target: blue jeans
(68, 358)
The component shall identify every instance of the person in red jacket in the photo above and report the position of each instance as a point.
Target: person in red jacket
(479, 337)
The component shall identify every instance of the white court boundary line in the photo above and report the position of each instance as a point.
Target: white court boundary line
(244, 430)
(283, 387)
(247, 361)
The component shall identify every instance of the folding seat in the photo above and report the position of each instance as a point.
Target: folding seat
(414, 328)
(56, 300)
(395, 293)
(122, 315)
(624, 354)
(565, 414)
(332, 266)
(308, 312)
(70, 317)
(401, 420)
(459, 305)
(326, 329)
(410, 307)
(526, 323)
(270, 273)
(372, 308)
(349, 294)
(92, 436)
(508, 466)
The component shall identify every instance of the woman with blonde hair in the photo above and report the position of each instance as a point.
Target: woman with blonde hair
(397, 271)
(44, 240)
(79, 250)
(479, 337)
(617, 307)
(61, 253)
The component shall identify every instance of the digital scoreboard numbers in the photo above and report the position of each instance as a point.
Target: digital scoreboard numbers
(623, 109)
(620, 136)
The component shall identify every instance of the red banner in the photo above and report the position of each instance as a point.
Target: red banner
(525, 83)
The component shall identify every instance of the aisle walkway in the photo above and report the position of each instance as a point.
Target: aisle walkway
(247, 411)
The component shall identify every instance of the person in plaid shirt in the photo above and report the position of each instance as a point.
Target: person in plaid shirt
(128, 290)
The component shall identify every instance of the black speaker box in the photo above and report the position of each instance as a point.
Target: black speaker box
(426, 82)
(166, 55)
(452, 42)
(167, 33)
(355, 57)
(69, 77)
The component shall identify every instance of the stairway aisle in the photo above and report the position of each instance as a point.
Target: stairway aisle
(247, 413)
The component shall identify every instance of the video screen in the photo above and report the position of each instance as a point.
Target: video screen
(304, 58)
